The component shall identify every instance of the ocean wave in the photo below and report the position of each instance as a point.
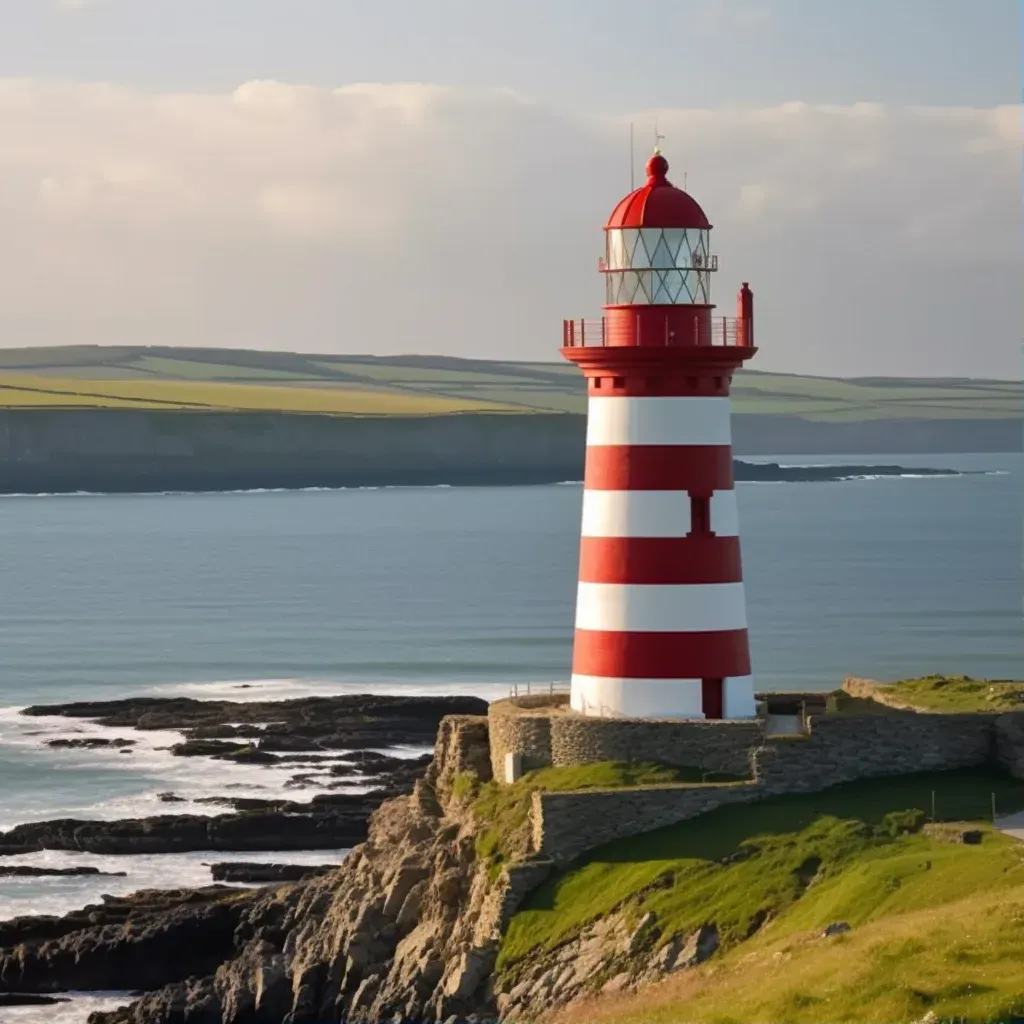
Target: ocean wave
(27, 896)
(76, 1011)
(243, 490)
(287, 689)
(151, 769)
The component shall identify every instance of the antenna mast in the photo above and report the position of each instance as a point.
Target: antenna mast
(632, 159)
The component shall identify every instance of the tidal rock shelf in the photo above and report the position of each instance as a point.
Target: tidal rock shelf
(331, 742)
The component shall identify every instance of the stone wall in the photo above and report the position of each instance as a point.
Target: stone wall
(722, 746)
(566, 825)
(842, 749)
(1009, 738)
(525, 734)
(838, 749)
(547, 737)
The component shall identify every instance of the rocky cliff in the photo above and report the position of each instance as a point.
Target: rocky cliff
(45, 450)
(408, 928)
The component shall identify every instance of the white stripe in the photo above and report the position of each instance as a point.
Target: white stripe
(660, 608)
(608, 697)
(725, 518)
(658, 420)
(636, 513)
(738, 697)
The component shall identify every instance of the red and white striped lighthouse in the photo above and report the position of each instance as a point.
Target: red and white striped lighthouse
(661, 623)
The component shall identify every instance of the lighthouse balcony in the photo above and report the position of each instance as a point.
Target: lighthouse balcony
(651, 329)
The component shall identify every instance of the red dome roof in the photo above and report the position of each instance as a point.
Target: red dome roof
(658, 204)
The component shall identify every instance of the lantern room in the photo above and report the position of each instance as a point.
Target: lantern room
(657, 265)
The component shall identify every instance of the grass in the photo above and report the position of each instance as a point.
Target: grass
(362, 385)
(958, 693)
(56, 392)
(772, 875)
(505, 809)
(959, 960)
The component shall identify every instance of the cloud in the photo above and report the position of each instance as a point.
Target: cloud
(411, 217)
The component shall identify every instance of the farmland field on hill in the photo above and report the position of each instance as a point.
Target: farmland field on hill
(242, 379)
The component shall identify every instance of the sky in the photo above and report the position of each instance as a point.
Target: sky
(330, 176)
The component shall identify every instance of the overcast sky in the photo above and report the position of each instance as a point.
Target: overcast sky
(432, 175)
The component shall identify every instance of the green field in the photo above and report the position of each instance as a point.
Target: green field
(232, 379)
(936, 925)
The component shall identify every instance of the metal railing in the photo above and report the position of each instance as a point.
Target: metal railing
(602, 331)
(537, 689)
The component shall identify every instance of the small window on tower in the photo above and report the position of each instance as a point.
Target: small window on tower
(596, 382)
(619, 382)
(700, 515)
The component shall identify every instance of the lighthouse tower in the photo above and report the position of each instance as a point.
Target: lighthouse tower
(661, 624)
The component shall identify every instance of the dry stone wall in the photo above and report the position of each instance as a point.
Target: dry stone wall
(722, 746)
(566, 825)
(867, 746)
(552, 738)
(512, 733)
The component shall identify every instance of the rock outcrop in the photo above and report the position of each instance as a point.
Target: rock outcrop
(141, 941)
(407, 928)
(240, 871)
(612, 954)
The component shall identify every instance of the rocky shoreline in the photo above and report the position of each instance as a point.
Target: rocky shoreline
(153, 938)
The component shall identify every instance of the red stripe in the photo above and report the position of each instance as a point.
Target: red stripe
(700, 559)
(713, 383)
(698, 468)
(710, 655)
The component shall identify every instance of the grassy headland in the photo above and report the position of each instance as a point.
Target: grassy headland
(935, 925)
(241, 379)
(953, 694)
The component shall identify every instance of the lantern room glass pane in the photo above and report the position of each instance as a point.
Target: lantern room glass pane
(662, 257)
(675, 243)
(615, 254)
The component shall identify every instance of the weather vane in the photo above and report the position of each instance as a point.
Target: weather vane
(657, 138)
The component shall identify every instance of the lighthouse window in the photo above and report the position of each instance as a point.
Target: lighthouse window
(657, 287)
(656, 248)
(700, 515)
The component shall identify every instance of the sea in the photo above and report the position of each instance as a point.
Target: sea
(424, 590)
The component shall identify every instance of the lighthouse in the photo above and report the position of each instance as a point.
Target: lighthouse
(661, 623)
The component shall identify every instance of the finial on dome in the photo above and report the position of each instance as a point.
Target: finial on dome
(657, 169)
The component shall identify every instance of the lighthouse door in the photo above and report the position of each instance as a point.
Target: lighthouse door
(712, 703)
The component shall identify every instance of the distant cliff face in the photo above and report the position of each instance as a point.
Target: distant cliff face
(151, 450)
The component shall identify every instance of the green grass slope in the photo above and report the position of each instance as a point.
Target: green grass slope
(953, 694)
(304, 383)
(936, 925)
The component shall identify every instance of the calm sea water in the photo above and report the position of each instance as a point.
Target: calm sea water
(463, 590)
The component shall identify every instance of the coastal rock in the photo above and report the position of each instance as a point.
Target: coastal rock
(263, 873)
(24, 999)
(27, 871)
(406, 929)
(140, 941)
(89, 743)
(285, 827)
(344, 723)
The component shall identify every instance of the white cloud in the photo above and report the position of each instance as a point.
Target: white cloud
(407, 217)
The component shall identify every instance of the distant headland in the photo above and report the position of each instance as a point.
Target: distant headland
(146, 419)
